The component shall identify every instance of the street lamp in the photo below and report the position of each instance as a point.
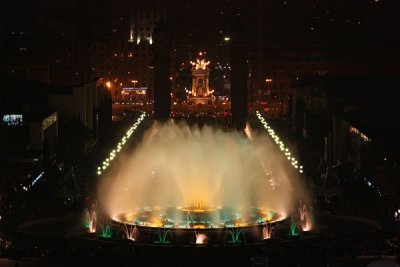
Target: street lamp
(134, 83)
(268, 81)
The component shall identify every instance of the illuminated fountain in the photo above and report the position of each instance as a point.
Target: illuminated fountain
(305, 218)
(293, 227)
(86, 218)
(131, 232)
(235, 235)
(105, 227)
(184, 178)
(201, 239)
(267, 231)
(162, 235)
(90, 218)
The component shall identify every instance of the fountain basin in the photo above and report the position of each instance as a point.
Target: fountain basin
(198, 218)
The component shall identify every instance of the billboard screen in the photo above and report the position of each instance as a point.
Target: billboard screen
(13, 119)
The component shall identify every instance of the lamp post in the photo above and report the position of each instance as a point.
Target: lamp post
(134, 86)
(113, 95)
(268, 89)
(268, 81)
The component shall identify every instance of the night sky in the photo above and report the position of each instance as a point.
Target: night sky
(352, 22)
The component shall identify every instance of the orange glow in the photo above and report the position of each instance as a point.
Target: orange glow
(267, 214)
(267, 232)
(155, 221)
(108, 84)
(201, 239)
(130, 216)
(306, 227)
(200, 64)
(198, 207)
(240, 224)
(360, 134)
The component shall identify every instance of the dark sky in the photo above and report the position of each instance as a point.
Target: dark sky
(343, 24)
(208, 16)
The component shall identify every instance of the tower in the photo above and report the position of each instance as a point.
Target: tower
(162, 87)
(200, 92)
(239, 74)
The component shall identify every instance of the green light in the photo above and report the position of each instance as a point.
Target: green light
(293, 228)
(162, 236)
(106, 231)
(235, 235)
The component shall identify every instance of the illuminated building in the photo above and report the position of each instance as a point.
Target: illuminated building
(28, 131)
(142, 25)
(89, 102)
(200, 91)
(343, 116)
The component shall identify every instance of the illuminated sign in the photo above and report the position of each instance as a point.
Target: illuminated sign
(134, 88)
(13, 119)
